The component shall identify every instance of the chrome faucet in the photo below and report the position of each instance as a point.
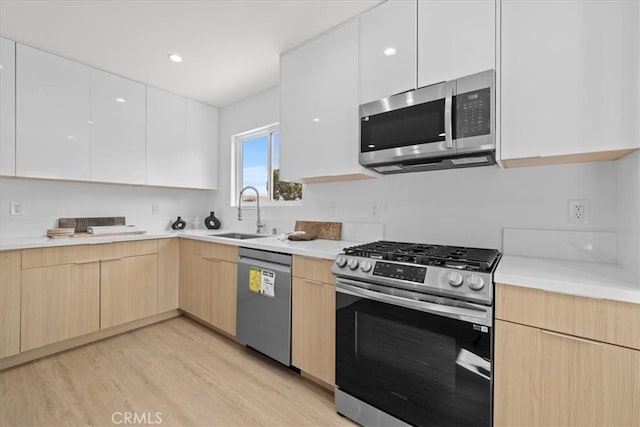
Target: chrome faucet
(259, 224)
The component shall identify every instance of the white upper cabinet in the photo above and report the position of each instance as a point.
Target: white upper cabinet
(182, 141)
(388, 50)
(53, 100)
(118, 129)
(570, 80)
(455, 38)
(319, 109)
(7, 107)
(166, 136)
(201, 146)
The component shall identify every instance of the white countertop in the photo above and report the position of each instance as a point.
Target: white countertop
(319, 248)
(581, 278)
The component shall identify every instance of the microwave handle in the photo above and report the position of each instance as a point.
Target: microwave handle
(448, 107)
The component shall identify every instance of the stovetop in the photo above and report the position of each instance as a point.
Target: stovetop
(461, 258)
(452, 271)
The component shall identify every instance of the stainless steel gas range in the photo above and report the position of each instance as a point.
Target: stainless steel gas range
(414, 334)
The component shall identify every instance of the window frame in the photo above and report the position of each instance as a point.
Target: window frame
(236, 166)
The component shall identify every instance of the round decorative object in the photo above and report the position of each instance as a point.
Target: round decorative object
(211, 222)
(179, 224)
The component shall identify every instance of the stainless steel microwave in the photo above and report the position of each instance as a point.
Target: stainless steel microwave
(442, 126)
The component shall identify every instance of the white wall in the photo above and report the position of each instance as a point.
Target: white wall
(628, 195)
(460, 207)
(46, 201)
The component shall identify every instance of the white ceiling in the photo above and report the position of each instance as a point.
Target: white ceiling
(230, 48)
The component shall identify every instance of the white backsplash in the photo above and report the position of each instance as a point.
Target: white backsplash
(562, 244)
(628, 211)
(45, 201)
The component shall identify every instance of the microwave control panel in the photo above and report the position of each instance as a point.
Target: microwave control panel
(473, 113)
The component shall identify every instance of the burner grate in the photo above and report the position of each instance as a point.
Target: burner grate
(445, 256)
(482, 259)
(382, 249)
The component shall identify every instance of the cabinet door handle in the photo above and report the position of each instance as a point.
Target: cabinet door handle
(111, 259)
(86, 262)
(313, 282)
(571, 337)
(210, 259)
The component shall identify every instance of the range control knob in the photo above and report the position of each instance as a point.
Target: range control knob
(353, 263)
(341, 261)
(475, 282)
(366, 266)
(454, 279)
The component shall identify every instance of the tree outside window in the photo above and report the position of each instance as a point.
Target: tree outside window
(258, 165)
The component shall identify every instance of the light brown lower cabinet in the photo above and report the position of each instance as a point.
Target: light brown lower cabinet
(128, 289)
(195, 285)
(547, 378)
(313, 328)
(59, 302)
(168, 280)
(208, 288)
(224, 295)
(9, 303)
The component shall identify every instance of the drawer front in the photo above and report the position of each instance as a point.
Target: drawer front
(80, 254)
(209, 250)
(134, 248)
(43, 257)
(313, 269)
(603, 320)
(219, 251)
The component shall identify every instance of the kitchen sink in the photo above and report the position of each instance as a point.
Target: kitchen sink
(239, 236)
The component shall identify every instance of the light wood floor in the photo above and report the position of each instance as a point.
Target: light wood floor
(189, 374)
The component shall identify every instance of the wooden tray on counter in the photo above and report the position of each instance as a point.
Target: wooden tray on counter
(321, 229)
(81, 224)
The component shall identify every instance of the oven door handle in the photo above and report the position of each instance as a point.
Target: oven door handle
(470, 313)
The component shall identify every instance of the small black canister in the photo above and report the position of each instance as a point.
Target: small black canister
(211, 222)
(179, 224)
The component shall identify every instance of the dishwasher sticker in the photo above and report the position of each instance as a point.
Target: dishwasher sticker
(262, 281)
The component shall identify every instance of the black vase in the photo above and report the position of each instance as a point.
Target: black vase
(211, 222)
(179, 224)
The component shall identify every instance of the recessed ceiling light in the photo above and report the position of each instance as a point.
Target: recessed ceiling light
(175, 57)
(69, 136)
(316, 120)
(390, 51)
(371, 146)
(121, 100)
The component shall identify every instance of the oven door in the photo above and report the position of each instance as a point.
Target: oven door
(419, 360)
(408, 126)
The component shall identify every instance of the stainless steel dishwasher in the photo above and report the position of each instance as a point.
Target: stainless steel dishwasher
(264, 303)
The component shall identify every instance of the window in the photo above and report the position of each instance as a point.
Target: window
(257, 163)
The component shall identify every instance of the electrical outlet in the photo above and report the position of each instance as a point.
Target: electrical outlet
(17, 208)
(155, 209)
(374, 209)
(579, 211)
